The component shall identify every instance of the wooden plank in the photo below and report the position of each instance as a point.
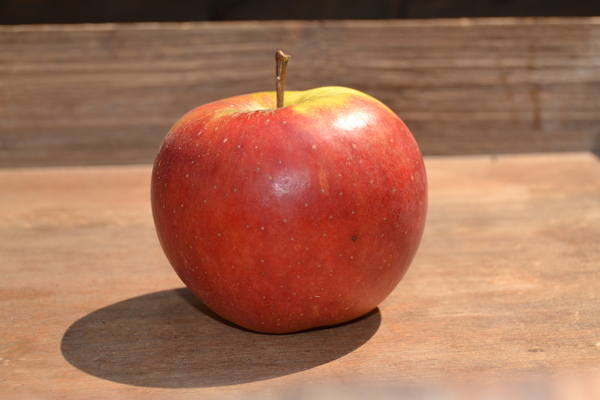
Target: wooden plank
(105, 94)
(504, 290)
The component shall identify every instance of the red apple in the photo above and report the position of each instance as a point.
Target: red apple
(285, 219)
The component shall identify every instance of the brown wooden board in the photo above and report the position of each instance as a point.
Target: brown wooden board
(107, 94)
(504, 291)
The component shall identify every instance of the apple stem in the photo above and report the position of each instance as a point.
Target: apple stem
(281, 60)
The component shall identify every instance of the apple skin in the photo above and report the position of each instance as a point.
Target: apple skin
(286, 219)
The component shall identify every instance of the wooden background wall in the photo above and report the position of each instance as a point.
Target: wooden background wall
(108, 93)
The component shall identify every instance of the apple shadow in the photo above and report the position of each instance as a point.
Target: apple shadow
(170, 339)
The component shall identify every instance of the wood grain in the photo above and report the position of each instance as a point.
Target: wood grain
(503, 293)
(108, 93)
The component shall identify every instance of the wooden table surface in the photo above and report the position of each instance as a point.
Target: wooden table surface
(505, 290)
